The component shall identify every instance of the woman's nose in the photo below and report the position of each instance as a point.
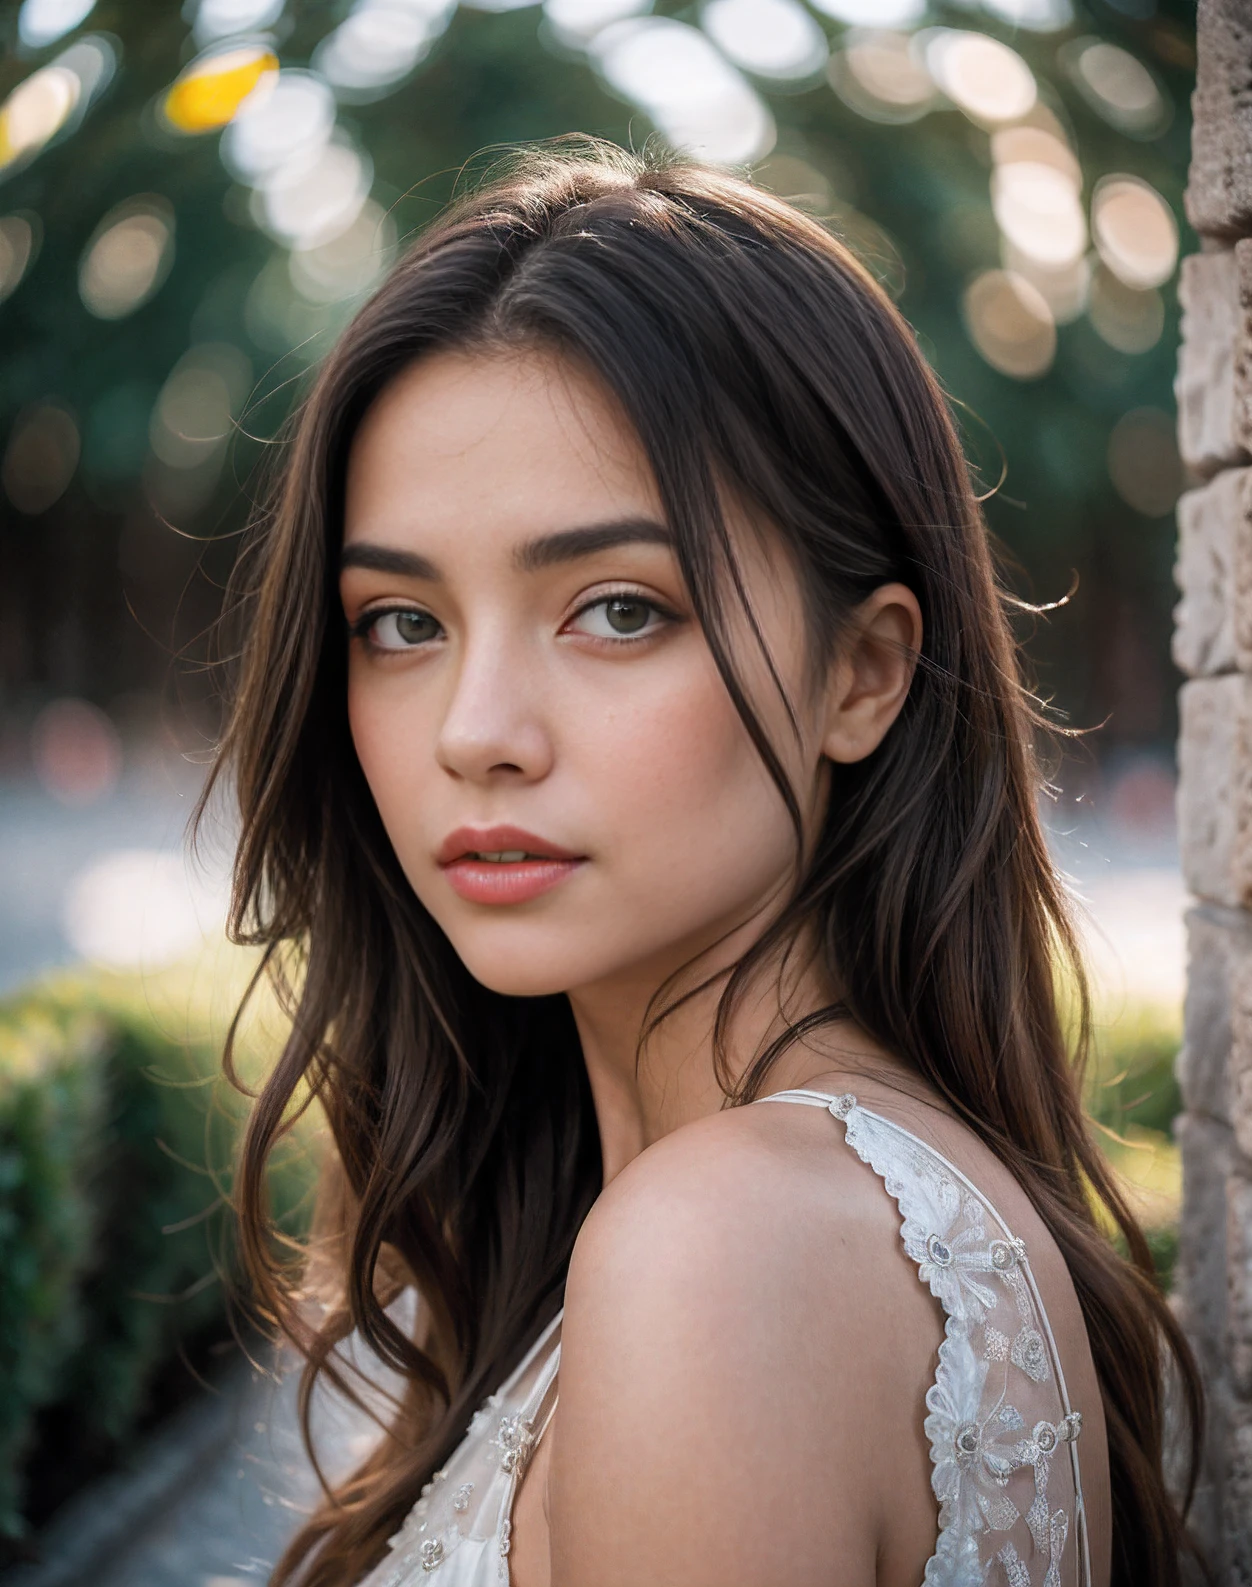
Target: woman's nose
(494, 725)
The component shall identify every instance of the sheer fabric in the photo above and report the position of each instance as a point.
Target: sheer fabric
(1003, 1435)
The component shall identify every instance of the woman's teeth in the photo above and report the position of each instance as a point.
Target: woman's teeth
(505, 857)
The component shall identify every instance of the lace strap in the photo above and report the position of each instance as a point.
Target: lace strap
(999, 1411)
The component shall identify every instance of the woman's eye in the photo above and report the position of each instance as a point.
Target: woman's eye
(399, 630)
(619, 617)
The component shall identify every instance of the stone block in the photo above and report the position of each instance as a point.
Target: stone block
(1213, 620)
(1215, 788)
(1235, 1558)
(1241, 1053)
(1212, 363)
(1200, 1280)
(1219, 949)
(1239, 1284)
(1219, 189)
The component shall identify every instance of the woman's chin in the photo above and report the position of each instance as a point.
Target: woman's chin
(518, 975)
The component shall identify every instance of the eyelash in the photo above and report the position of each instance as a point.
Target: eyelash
(361, 627)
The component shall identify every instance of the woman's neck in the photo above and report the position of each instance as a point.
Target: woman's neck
(644, 1093)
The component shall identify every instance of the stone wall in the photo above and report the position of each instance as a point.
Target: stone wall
(1213, 646)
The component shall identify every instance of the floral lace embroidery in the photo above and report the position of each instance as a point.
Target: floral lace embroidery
(1000, 1427)
(462, 1521)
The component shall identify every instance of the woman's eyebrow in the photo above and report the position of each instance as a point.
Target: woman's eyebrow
(388, 559)
(563, 545)
(566, 545)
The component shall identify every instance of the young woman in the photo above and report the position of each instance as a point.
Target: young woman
(627, 731)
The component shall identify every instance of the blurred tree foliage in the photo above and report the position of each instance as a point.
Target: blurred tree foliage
(97, 590)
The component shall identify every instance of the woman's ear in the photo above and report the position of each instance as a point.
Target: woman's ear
(869, 679)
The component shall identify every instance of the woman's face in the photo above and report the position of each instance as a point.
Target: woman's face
(554, 756)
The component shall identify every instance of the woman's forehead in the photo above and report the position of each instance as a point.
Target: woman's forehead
(525, 440)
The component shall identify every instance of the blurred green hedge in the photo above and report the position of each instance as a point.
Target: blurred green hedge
(116, 1137)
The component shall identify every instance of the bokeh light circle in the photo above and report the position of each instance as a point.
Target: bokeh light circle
(289, 117)
(773, 38)
(211, 90)
(1038, 211)
(882, 75)
(40, 458)
(693, 94)
(312, 202)
(139, 909)
(1117, 86)
(1143, 461)
(873, 13)
(575, 23)
(42, 22)
(1010, 324)
(36, 111)
(1134, 230)
(378, 44)
(220, 19)
(76, 752)
(128, 257)
(1127, 318)
(19, 242)
(981, 76)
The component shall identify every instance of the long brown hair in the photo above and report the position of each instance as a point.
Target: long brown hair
(750, 350)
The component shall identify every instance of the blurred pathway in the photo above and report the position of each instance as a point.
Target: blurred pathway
(209, 1501)
(51, 859)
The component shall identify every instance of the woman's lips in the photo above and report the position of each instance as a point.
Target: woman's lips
(503, 879)
(506, 882)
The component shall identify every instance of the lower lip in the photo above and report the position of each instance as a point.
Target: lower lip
(514, 882)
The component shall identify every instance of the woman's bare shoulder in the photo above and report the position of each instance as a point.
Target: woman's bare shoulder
(738, 1306)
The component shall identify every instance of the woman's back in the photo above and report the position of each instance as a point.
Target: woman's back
(811, 1403)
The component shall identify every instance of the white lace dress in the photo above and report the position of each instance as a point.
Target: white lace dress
(1003, 1435)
